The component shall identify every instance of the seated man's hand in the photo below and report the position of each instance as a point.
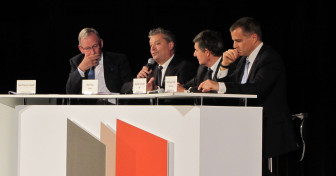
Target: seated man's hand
(230, 56)
(180, 88)
(89, 61)
(208, 85)
(149, 85)
(144, 72)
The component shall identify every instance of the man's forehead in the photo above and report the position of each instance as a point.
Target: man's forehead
(196, 45)
(89, 40)
(90, 36)
(157, 37)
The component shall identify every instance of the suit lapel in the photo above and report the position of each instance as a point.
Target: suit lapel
(217, 69)
(108, 70)
(256, 62)
(171, 68)
(203, 74)
(107, 64)
(170, 71)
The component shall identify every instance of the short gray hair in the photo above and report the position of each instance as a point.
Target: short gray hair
(86, 32)
(168, 35)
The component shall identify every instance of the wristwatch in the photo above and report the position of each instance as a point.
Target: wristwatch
(227, 66)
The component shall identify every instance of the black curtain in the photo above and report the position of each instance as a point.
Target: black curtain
(39, 38)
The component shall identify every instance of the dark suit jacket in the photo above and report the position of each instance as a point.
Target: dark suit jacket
(117, 71)
(201, 75)
(267, 80)
(179, 67)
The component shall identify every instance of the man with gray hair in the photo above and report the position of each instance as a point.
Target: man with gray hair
(111, 69)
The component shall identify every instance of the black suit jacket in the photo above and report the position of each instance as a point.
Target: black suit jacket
(201, 75)
(179, 67)
(267, 80)
(117, 71)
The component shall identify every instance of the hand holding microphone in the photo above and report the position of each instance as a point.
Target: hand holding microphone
(147, 69)
(150, 63)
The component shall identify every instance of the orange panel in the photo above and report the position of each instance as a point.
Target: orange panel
(140, 153)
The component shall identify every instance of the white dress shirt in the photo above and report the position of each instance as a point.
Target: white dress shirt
(99, 74)
(164, 68)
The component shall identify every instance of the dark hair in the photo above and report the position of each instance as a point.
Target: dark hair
(211, 40)
(168, 35)
(249, 26)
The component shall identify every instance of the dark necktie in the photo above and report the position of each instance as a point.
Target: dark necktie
(91, 74)
(160, 76)
(209, 73)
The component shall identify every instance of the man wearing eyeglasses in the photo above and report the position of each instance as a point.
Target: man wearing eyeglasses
(111, 69)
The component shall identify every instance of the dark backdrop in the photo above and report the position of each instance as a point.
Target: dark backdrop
(39, 38)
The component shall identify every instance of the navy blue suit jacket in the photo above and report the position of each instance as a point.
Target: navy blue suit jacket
(201, 75)
(117, 71)
(267, 80)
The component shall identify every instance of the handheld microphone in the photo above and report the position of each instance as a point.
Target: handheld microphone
(150, 63)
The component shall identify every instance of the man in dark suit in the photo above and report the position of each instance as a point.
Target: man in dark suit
(265, 77)
(111, 69)
(162, 48)
(208, 46)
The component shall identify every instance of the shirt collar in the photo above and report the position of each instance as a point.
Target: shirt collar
(165, 65)
(254, 53)
(215, 65)
(101, 59)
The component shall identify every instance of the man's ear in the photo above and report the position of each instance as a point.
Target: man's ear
(171, 45)
(80, 49)
(207, 52)
(254, 36)
(101, 43)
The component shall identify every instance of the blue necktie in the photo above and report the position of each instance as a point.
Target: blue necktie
(91, 74)
(244, 79)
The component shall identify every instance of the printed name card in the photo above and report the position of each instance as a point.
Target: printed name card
(26, 86)
(90, 86)
(139, 85)
(171, 84)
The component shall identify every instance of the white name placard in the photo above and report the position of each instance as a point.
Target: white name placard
(171, 84)
(26, 86)
(90, 86)
(139, 85)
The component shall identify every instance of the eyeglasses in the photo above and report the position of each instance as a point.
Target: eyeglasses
(92, 47)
